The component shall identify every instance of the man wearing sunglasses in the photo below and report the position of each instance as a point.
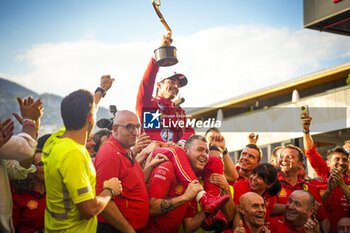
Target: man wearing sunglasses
(128, 211)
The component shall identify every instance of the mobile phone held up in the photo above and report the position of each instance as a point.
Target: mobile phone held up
(305, 110)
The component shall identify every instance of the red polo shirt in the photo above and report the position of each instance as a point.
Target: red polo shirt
(242, 186)
(28, 211)
(112, 161)
(281, 225)
(337, 206)
(287, 189)
(163, 184)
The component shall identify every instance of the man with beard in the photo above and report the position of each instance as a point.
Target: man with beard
(297, 218)
(162, 104)
(252, 207)
(291, 161)
(335, 182)
(334, 187)
(160, 109)
(250, 157)
(70, 176)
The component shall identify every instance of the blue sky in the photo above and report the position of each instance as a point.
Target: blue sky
(226, 47)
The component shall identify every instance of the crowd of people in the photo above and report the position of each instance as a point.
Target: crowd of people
(134, 178)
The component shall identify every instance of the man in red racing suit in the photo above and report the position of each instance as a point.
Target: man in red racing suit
(165, 122)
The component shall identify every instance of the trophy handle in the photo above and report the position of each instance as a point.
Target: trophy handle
(156, 5)
(165, 55)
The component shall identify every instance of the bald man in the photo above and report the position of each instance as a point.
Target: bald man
(299, 215)
(129, 211)
(343, 225)
(252, 208)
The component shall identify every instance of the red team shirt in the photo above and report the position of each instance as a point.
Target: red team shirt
(169, 111)
(242, 186)
(163, 184)
(112, 161)
(337, 206)
(28, 211)
(287, 189)
(280, 225)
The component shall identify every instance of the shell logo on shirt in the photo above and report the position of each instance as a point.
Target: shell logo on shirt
(322, 192)
(32, 204)
(179, 189)
(282, 193)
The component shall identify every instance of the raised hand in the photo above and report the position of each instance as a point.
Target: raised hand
(312, 226)
(30, 109)
(106, 82)
(167, 40)
(240, 228)
(141, 142)
(305, 122)
(6, 131)
(219, 180)
(253, 138)
(217, 140)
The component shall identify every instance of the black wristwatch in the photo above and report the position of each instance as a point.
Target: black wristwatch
(225, 152)
(103, 92)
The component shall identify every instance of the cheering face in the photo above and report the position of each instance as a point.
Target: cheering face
(168, 88)
(257, 184)
(297, 211)
(339, 161)
(289, 160)
(254, 211)
(197, 153)
(249, 159)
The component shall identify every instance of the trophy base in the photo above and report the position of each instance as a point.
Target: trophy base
(165, 56)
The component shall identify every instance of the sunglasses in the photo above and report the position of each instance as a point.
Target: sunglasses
(130, 127)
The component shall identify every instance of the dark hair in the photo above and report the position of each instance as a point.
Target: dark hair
(301, 153)
(269, 174)
(97, 138)
(256, 147)
(41, 142)
(337, 149)
(26, 185)
(75, 108)
(213, 129)
(194, 137)
(274, 152)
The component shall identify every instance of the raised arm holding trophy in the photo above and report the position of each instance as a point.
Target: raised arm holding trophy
(166, 54)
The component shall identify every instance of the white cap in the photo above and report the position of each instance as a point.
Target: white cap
(168, 75)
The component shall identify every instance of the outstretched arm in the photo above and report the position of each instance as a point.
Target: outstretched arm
(316, 160)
